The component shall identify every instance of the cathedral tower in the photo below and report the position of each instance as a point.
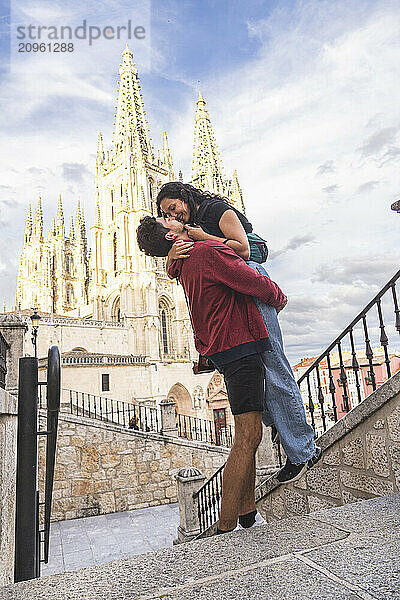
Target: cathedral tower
(53, 270)
(126, 284)
(207, 170)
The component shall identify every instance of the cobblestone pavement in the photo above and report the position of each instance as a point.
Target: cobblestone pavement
(95, 540)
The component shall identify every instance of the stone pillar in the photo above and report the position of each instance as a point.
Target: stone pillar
(168, 418)
(13, 330)
(189, 481)
(8, 460)
(266, 457)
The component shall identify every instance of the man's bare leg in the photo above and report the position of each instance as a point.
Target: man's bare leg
(248, 500)
(239, 473)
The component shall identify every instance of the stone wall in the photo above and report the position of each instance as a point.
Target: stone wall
(361, 460)
(102, 468)
(8, 449)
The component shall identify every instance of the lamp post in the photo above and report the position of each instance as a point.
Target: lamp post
(396, 206)
(35, 318)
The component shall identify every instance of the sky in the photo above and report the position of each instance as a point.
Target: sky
(304, 102)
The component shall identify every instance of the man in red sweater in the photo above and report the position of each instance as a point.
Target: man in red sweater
(230, 331)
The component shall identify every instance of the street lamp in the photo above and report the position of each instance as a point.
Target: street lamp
(35, 318)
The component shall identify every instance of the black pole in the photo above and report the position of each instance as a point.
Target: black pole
(26, 500)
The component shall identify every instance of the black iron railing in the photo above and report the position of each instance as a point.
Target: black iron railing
(209, 500)
(133, 416)
(203, 430)
(30, 538)
(343, 376)
(3, 360)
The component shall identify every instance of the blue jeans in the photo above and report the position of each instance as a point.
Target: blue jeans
(283, 404)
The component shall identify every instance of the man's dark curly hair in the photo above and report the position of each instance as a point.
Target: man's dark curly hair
(188, 193)
(151, 237)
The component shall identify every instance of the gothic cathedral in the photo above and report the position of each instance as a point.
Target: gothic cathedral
(115, 281)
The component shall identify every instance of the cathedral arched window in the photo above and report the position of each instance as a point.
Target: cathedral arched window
(70, 293)
(68, 263)
(115, 252)
(116, 310)
(112, 205)
(164, 331)
(165, 313)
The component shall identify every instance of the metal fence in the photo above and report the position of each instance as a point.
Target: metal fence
(133, 416)
(203, 430)
(342, 376)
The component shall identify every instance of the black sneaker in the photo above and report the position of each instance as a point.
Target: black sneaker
(291, 472)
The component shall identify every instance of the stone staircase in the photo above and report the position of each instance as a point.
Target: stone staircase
(345, 553)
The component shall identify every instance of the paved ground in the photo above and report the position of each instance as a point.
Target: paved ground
(95, 540)
(350, 552)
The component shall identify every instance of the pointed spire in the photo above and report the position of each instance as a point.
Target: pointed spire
(100, 149)
(38, 223)
(28, 226)
(207, 172)
(166, 152)
(235, 195)
(71, 229)
(130, 120)
(60, 219)
(180, 175)
(53, 230)
(80, 223)
(97, 217)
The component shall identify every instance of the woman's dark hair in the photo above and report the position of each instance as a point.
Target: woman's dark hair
(188, 193)
(151, 237)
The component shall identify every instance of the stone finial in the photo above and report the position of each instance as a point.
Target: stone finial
(189, 480)
(189, 473)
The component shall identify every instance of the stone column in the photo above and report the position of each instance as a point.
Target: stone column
(13, 330)
(168, 418)
(189, 481)
(266, 457)
(8, 453)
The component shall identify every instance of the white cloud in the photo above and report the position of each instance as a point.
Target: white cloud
(311, 122)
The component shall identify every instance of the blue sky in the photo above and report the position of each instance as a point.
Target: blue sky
(304, 101)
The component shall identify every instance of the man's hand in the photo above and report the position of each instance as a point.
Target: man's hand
(180, 249)
(282, 306)
(196, 233)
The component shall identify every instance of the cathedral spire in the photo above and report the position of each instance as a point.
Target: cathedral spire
(166, 152)
(97, 217)
(38, 223)
(130, 121)
(100, 149)
(60, 219)
(80, 223)
(235, 193)
(71, 229)
(207, 170)
(28, 226)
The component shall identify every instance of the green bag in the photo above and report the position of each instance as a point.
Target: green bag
(258, 248)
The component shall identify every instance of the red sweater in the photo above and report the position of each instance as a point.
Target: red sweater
(219, 285)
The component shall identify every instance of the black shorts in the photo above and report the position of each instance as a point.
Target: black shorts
(244, 381)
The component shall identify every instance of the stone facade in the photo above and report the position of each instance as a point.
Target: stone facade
(102, 468)
(361, 460)
(119, 301)
(8, 451)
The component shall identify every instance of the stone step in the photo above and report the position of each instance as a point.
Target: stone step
(346, 553)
